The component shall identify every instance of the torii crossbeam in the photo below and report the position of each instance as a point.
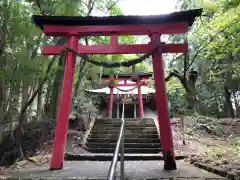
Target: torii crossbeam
(154, 26)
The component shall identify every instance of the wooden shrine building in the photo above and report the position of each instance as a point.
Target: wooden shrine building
(135, 94)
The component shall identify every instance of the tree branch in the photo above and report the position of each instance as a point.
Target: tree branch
(40, 7)
(90, 6)
(112, 5)
(34, 53)
(172, 74)
(205, 45)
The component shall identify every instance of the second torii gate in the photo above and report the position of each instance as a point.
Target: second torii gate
(154, 26)
(126, 77)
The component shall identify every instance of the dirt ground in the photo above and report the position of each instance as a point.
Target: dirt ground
(220, 151)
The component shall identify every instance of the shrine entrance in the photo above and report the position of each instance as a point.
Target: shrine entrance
(129, 111)
(154, 26)
(133, 92)
(129, 92)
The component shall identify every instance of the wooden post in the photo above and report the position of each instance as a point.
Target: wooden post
(110, 105)
(182, 125)
(140, 101)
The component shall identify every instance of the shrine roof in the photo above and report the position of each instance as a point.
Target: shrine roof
(143, 75)
(182, 16)
(131, 91)
(144, 90)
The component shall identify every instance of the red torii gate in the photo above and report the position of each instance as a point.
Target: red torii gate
(125, 77)
(154, 26)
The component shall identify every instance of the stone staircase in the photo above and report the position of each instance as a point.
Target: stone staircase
(140, 136)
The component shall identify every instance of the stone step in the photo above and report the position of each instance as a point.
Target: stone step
(126, 123)
(126, 140)
(140, 136)
(126, 145)
(126, 135)
(119, 121)
(108, 157)
(118, 125)
(126, 150)
(127, 130)
(126, 119)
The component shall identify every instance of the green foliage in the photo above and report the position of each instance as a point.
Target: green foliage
(217, 63)
(214, 54)
(176, 96)
(21, 62)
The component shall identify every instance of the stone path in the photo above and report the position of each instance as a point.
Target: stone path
(98, 170)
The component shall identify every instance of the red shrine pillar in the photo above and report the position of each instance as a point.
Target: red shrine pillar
(65, 106)
(140, 101)
(162, 106)
(110, 102)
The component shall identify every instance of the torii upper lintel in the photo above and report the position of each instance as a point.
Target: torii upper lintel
(173, 23)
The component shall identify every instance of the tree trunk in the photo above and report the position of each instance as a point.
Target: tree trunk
(3, 95)
(228, 104)
(217, 113)
(191, 92)
(22, 119)
(81, 74)
(57, 84)
(19, 137)
(39, 103)
(236, 104)
(13, 109)
(192, 100)
(46, 107)
(189, 84)
(228, 86)
(2, 103)
(25, 97)
(30, 109)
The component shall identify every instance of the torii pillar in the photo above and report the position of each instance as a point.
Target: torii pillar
(162, 104)
(60, 138)
(140, 101)
(110, 102)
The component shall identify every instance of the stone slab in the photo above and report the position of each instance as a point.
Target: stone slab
(136, 170)
(109, 157)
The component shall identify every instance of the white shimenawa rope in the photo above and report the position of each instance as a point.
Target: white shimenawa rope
(129, 89)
